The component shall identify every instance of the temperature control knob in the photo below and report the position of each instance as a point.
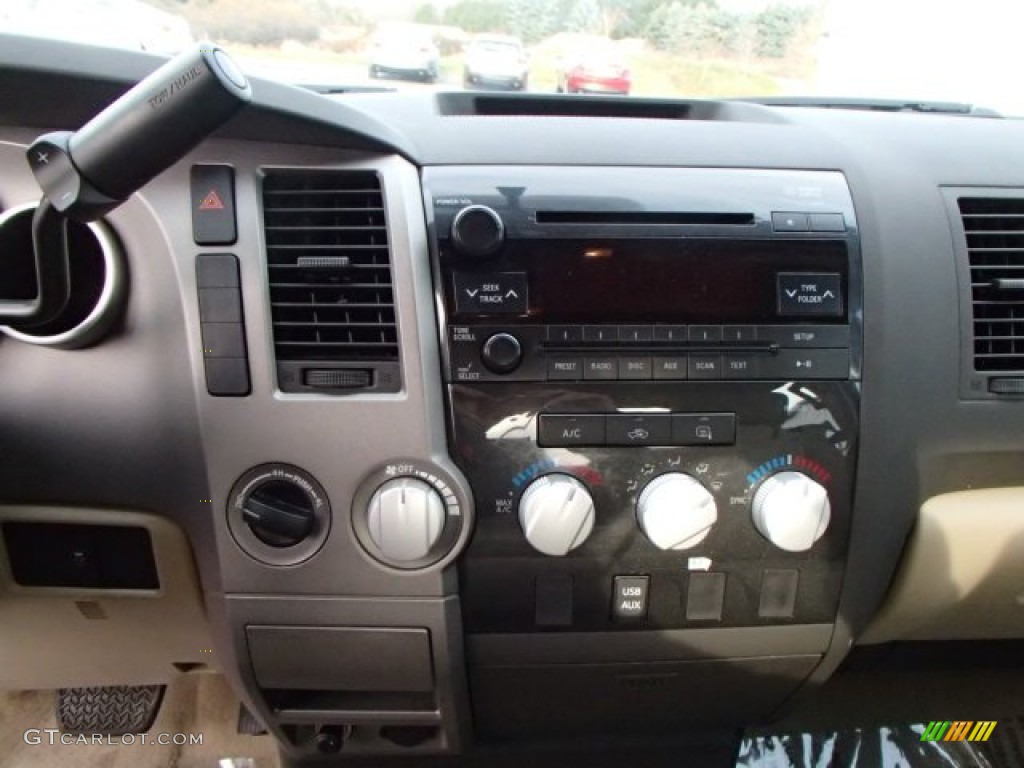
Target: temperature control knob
(676, 511)
(557, 514)
(792, 511)
(477, 231)
(405, 519)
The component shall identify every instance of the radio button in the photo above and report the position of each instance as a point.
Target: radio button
(601, 368)
(806, 364)
(639, 430)
(739, 367)
(561, 431)
(634, 368)
(673, 333)
(603, 334)
(703, 428)
(634, 334)
(705, 366)
(739, 333)
(564, 334)
(565, 368)
(670, 368)
(705, 333)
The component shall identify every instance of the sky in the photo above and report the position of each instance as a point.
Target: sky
(949, 50)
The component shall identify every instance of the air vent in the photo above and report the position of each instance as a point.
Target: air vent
(995, 248)
(331, 294)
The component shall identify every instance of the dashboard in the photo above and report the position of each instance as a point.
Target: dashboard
(444, 424)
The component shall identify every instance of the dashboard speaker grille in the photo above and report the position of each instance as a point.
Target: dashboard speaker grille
(995, 248)
(331, 291)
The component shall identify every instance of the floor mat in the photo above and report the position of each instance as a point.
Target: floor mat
(194, 705)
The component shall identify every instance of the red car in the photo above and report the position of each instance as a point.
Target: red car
(596, 72)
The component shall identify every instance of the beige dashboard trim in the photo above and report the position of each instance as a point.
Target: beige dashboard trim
(58, 637)
(962, 573)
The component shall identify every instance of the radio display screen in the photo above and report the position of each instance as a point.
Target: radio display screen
(647, 280)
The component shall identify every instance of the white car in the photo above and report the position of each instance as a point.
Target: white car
(405, 52)
(496, 60)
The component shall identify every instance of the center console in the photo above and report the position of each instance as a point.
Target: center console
(652, 388)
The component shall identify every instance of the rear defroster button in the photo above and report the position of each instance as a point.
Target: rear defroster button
(502, 353)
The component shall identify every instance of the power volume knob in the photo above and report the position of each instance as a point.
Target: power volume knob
(477, 231)
(676, 511)
(405, 519)
(792, 511)
(557, 514)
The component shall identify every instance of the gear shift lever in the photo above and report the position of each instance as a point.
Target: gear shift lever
(88, 173)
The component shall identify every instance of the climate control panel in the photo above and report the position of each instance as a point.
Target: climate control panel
(745, 527)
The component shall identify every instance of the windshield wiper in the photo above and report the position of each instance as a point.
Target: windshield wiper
(877, 105)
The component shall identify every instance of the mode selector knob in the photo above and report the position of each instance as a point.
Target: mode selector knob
(676, 511)
(477, 231)
(557, 514)
(502, 353)
(792, 511)
(405, 519)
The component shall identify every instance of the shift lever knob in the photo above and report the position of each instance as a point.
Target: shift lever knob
(93, 170)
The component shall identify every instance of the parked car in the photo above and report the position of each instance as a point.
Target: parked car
(405, 52)
(497, 61)
(598, 71)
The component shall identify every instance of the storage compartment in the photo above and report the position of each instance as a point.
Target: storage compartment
(80, 556)
(570, 700)
(341, 658)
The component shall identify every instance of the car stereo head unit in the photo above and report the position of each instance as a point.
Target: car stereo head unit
(707, 274)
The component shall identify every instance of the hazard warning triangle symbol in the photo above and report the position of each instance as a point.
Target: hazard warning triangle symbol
(211, 202)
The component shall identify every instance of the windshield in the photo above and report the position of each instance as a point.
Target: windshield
(908, 50)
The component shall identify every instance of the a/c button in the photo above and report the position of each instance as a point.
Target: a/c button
(558, 431)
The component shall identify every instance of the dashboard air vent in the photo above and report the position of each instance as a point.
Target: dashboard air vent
(995, 249)
(331, 292)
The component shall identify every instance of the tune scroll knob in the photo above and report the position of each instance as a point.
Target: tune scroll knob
(477, 231)
(405, 519)
(556, 513)
(676, 512)
(502, 353)
(791, 510)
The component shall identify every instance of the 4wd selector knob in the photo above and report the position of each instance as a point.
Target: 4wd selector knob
(477, 231)
(791, 510)
(405, 519)
(676, 511)
(557, 514)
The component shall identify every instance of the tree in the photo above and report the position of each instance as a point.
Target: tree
(585, 16)
(533, 20)
(427, 14)
(775, 28)
(699, 29)
(477, 15)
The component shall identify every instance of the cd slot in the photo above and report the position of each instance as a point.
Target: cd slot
(645, 217)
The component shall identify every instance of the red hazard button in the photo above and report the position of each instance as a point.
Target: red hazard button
(213, 204)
